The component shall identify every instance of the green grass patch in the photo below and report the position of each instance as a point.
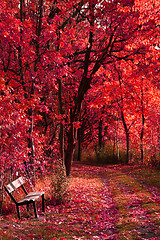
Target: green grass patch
(131, 199)
(147, 176)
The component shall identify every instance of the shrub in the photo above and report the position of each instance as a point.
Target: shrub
(100, 156)
(59, 184)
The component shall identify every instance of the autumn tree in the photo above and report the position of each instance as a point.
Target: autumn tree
(110, 32)
(53, 52)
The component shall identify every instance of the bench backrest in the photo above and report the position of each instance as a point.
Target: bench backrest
(15, 184)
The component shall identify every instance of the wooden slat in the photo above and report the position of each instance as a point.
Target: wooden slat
(31, 196)
(15, 184)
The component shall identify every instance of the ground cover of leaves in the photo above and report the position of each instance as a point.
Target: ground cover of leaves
(112, 202)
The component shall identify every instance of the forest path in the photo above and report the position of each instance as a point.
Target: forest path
(154, 191)
(138, 205)
(108, 214)
(106, 202)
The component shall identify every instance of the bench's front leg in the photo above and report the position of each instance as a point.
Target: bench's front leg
(35, 210)
(18, 211)
(43, 207)
(27, 207)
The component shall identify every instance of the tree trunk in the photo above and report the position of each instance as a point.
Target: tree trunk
(141, 139)
(117, 142)
(1, 195)
(30, 111)
(31, 170)
(1, 183)
(31, 141)
(123, 119)
(69, 152)
(69, 158)
(143, 120)
(61, 133)
(127, 138)
(158, 131)
(79, 144)
(114, 147)
(128, 148)
(83, 88)
(2, 169)
(61, 139)
(100, 134)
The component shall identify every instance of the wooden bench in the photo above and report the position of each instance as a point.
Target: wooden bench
(29, 197)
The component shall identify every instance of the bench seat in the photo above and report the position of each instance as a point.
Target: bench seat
(32, 196)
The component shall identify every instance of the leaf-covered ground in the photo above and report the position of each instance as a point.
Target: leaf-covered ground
(104, 203)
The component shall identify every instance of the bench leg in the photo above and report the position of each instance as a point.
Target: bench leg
(43, 207)
(35, 210)
(27, 207)
(18, 211)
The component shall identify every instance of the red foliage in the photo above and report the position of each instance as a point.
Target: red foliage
(61, 61)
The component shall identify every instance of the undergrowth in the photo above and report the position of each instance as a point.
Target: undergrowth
(59, 184)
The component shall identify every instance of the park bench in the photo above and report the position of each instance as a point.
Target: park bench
(28, 199)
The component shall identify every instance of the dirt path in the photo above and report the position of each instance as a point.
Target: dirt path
(149, 227)
(109, 215)
(141, 207)
(140, 217)
(154, 191)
